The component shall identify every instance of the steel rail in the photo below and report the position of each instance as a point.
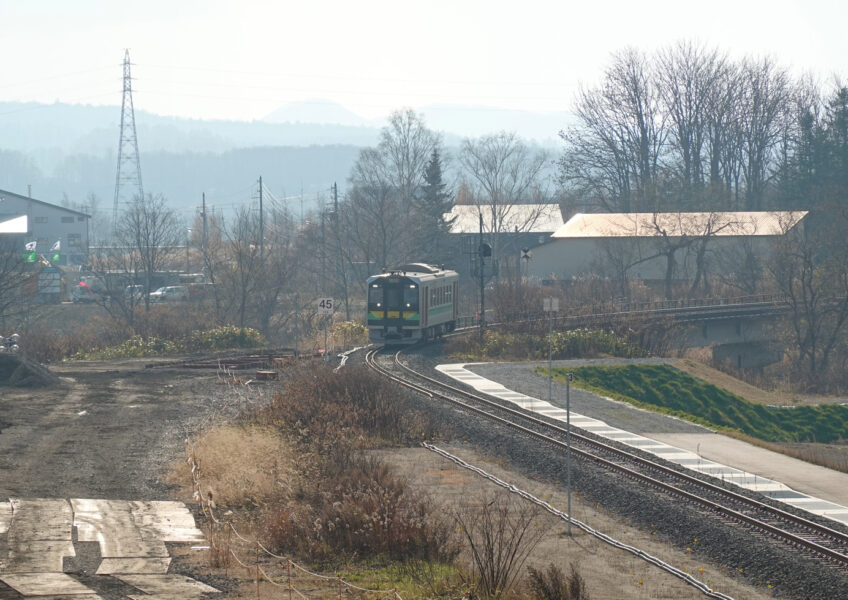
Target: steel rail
(729, 512)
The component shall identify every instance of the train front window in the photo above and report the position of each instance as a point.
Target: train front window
(375, 296)
(393, 297)
(410, 297)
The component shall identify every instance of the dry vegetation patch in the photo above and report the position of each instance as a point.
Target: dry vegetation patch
(240, 465)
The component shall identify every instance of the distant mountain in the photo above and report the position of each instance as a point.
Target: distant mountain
(49, 133)
(453, 121)
(313, 111)
(66, 152)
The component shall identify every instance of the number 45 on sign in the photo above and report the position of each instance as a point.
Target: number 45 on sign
(325, 306)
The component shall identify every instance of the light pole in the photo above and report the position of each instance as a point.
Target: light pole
(550, 306)
(568, 378)
(188, 264)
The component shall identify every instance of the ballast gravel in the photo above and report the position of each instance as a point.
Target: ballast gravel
(749, 555)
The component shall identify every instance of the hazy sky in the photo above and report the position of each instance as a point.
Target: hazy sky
(242, 59)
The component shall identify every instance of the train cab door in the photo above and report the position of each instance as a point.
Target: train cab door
(425, 303)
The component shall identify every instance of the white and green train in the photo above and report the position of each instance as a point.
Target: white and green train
(412, 303)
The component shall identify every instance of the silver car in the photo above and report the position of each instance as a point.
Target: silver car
(169, 293)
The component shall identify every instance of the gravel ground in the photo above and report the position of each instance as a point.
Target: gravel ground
(750, 556)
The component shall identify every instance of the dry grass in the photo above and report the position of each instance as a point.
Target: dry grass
(240, 466)
(726, 382)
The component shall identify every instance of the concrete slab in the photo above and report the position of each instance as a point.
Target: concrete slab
(46, 584)
(37, 557)
(41, 519)
(39, 536)
(111, 524)
(171, 585)
(111, 566)
(801, 476)
(5, 516)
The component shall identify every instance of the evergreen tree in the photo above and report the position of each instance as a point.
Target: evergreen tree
(434, 200)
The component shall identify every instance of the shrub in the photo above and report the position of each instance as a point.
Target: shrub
(318, 404)
(554, 585)
(224, 337)
(577, 343)
(220, 338)
(365, 510)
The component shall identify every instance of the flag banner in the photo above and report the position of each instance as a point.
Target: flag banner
(57, 246)
(30, 246)
(29, 257)
(56, 257)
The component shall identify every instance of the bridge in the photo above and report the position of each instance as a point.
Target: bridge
(739, 330)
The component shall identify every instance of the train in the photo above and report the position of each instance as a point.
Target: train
(412, 303)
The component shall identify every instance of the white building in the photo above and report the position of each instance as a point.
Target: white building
(47, 224)
(635, 245)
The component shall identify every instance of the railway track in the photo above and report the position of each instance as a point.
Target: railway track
(794, 532)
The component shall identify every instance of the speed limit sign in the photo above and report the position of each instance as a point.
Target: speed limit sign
(325, 306)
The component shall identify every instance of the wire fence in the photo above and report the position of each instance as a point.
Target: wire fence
(263, 565)
(679, 573)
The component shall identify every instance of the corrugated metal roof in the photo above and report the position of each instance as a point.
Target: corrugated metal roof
(16, 225)
(601, 225)
(522, 218)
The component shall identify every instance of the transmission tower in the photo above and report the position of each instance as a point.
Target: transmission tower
(128, 179)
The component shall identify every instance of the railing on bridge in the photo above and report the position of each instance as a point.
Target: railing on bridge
(619, 310)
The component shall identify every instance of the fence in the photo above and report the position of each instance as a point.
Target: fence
(292, 579)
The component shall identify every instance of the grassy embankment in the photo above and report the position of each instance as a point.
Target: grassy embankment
(799, 431)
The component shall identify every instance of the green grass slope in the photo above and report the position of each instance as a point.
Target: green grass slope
(669, 390)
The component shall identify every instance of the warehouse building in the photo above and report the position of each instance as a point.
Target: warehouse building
(637, 245)
(46, 224)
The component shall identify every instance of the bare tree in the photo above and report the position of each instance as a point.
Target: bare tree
(502, 174)
(690, 79)
(811, 269)
(149, 232)
(382, 207)
(762, 120)
(501, 532)
(613, 155)
(241, 281)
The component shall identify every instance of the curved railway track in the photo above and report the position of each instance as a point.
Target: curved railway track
(795, 532)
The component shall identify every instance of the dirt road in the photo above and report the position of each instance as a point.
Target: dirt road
(82, 468)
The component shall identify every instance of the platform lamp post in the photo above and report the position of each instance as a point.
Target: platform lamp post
(568, 379)
(550, 306)
(188, 262)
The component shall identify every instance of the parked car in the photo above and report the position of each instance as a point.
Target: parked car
(134, 293)
(169, 293)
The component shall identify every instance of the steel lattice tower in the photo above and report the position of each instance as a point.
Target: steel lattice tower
(129, 167)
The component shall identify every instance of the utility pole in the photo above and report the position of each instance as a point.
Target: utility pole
(261, 224)
(482, 319)
(203, 235)
(324, 270)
